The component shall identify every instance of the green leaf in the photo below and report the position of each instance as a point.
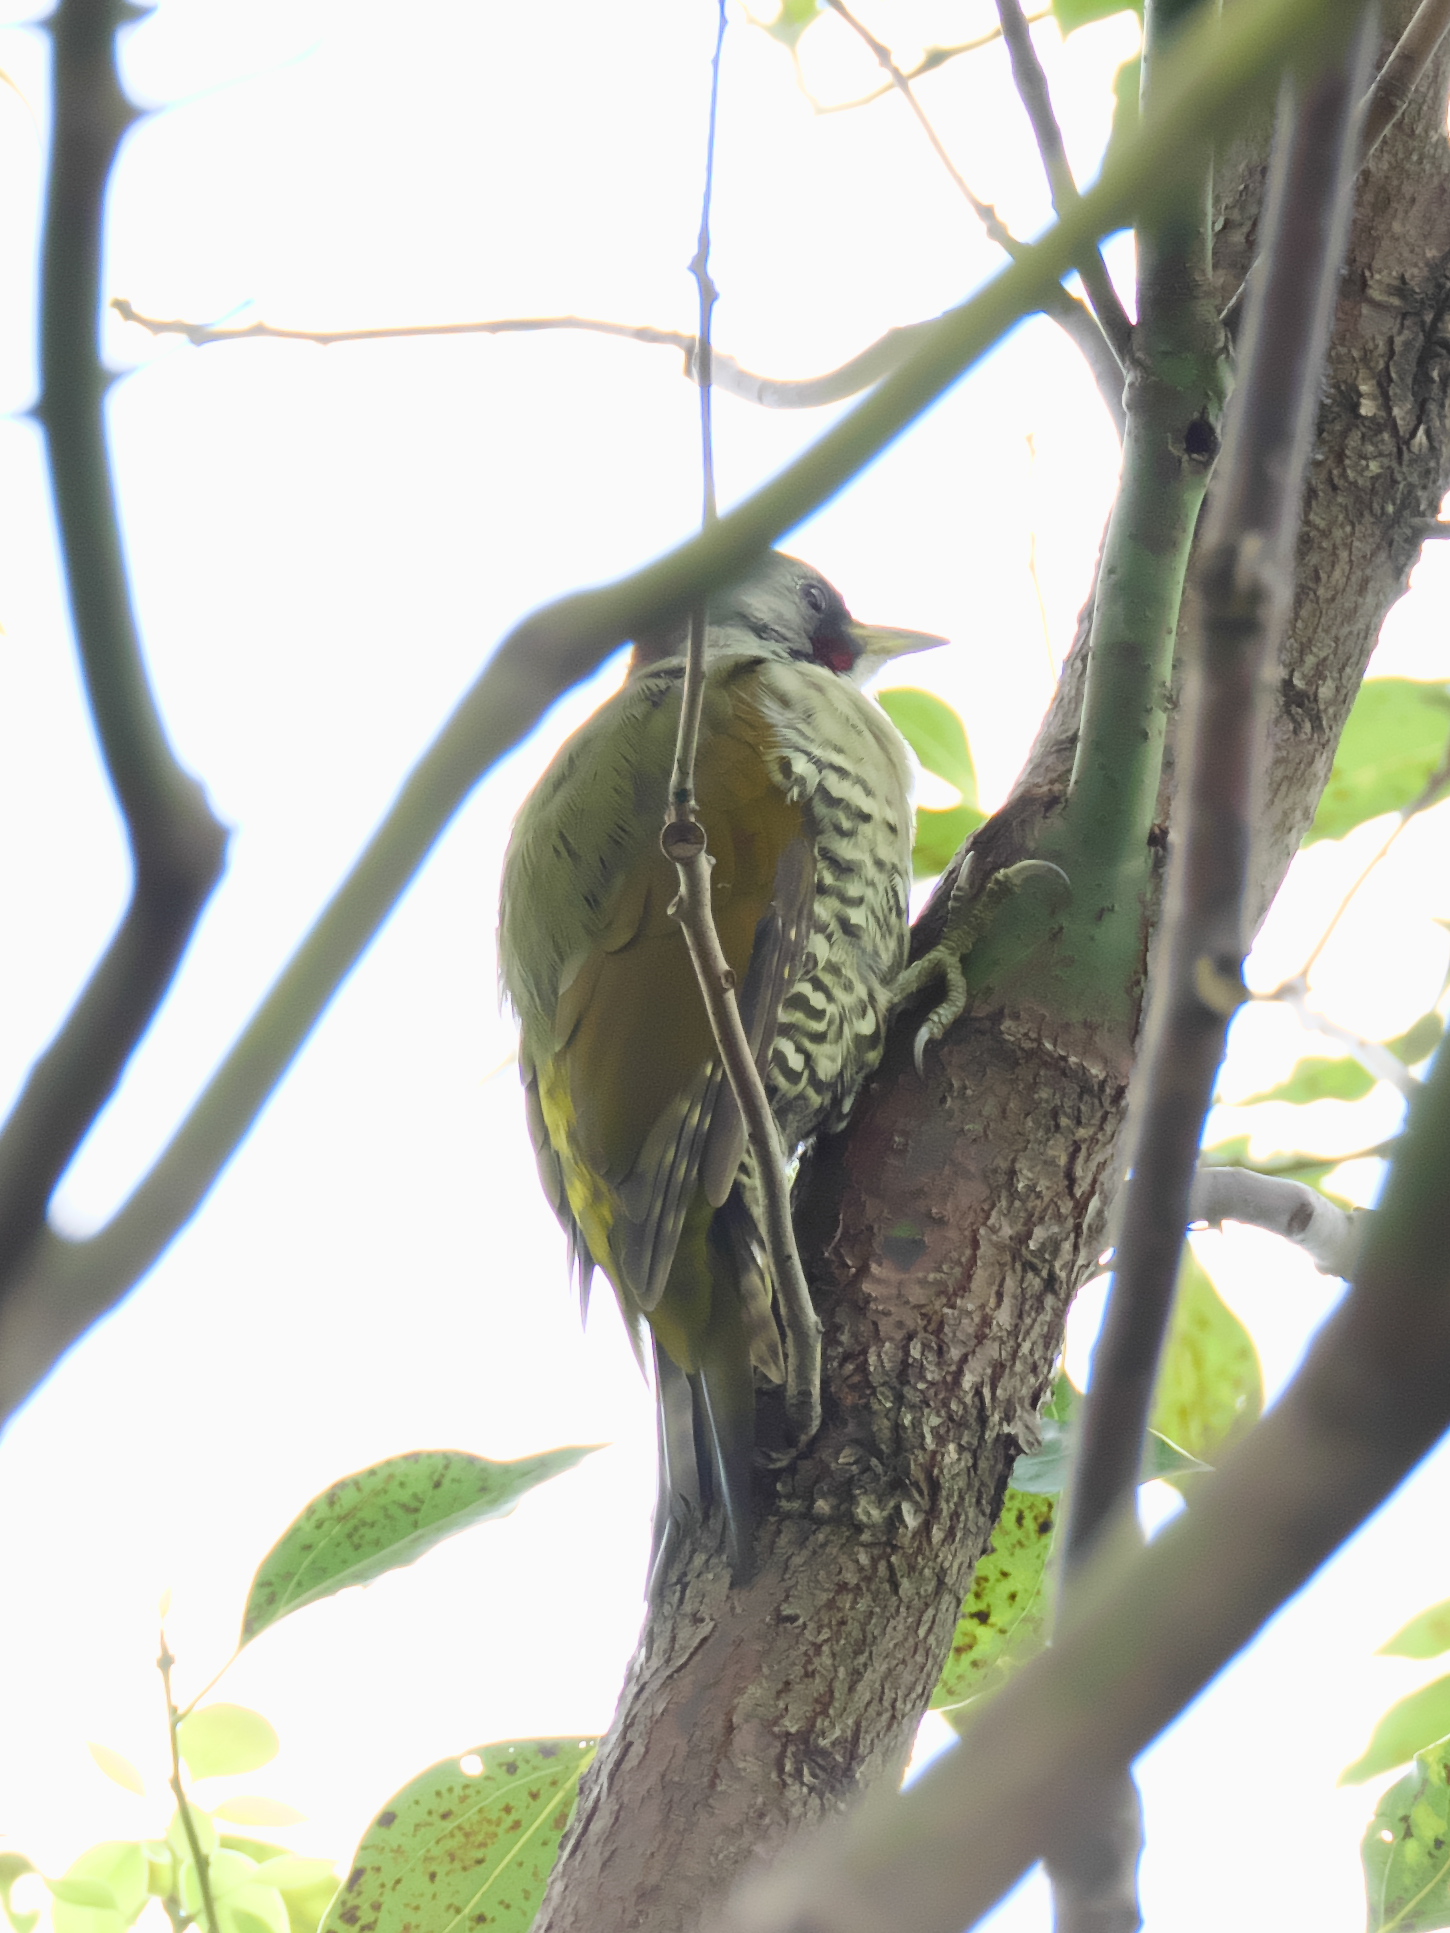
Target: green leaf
(1406, 1851)
(206, 1834)
(243, 1903)
(1210, 1385)
(250, 1809)
(101, 1892)
(792, 20)
(305, 1904)
(1072, 14)
(1393, 744)
(939, 837)
(223, 1739)
(118, 1768)
(1319, 1079)
(84, 1892)
(935, 733)
(14, 1866)
(290, 1872)
(1425, 1636)
(385, 1517)
(1406, 1728)
(1421, 1040)
(1004, 1619)
(454, 1850)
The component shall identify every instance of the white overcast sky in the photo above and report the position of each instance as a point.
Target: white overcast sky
(325, 546)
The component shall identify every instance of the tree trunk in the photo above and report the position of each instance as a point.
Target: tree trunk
(945, 1233)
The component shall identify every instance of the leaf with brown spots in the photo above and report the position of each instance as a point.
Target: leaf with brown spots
(1004, 1619)
(466, 1846)
(385, 1517)
(1406, 1851)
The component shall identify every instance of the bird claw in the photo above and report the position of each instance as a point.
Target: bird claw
(966, 920)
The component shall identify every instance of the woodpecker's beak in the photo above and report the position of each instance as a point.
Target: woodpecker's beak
(879, 645)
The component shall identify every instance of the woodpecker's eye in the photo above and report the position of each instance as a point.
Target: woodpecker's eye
(814, 599)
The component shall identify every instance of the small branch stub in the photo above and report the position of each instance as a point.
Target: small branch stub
(683, 840)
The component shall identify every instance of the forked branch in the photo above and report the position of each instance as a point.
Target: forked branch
(177, 846)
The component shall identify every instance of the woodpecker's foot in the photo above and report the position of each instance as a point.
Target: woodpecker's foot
(968, 916)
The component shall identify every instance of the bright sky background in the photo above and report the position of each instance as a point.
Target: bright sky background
(325, 547)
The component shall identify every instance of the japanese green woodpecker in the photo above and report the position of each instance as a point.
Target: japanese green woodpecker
(802, 784)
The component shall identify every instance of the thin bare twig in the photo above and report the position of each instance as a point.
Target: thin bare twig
(177, 846)
(1400, 75)
(1351, 1426)
(1074, 317)
(1036, 98)
(1330, 1235)
(66, 1285)
(931, 60)
(684, 841)
(873, 363)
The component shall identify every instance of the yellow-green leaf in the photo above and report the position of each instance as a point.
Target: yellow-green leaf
(252, 1809)
(468, 1843)
(14, 1866)
(935, 733)
(243, 1903)
(385, 1517)
(117, 1767)
(101, 1892)
(1425, 1636)
(1406, 1728)
(1320, 1079)
(1210, 1386)
(1393, 744)
(220, 1740)
(940, 836)
(305, 1904)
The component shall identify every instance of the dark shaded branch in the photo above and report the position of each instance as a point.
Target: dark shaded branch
(177, 847)
(1401, 73)
(1244, 590)
(1330, 1235)
(1361, 1413)
(1036, 98)
(67, 1285)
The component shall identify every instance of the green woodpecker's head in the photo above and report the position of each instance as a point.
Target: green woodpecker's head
(788, 610)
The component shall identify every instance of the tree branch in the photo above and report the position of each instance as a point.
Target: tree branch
(933, 58)
(1103, 355)
(1401, 73)
(1245, 587)
(887, 353)
(1361, 1413)
(1036, 98)
(177, 847)
(1330, 1235)
(67, 1285)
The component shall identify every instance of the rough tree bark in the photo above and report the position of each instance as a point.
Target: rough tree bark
(945, 1233)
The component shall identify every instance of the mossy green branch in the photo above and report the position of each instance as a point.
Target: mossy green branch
(1178, 380)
